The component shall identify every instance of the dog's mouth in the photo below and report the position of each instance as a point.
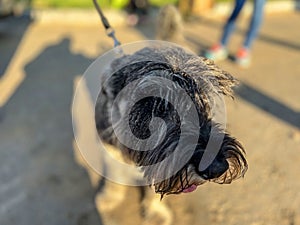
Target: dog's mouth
(186, 182)
(191, 188)
(194, 180)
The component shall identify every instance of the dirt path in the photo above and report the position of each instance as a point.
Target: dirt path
(42, 183)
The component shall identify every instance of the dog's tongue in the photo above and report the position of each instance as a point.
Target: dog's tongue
(190, 189)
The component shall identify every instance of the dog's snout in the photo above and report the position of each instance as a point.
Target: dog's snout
(216, 169)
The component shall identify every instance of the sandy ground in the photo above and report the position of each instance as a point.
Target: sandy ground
(42, 182)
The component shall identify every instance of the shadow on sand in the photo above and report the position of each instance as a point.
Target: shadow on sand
(39, 126)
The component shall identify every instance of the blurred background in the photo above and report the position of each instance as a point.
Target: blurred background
(45, 47)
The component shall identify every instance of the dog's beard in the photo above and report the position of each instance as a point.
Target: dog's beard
(229, 164)
(191, 74)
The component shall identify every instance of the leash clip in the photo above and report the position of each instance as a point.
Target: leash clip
(110, 32)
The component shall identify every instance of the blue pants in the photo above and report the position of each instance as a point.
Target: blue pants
(255, 23)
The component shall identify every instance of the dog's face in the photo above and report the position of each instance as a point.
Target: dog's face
(228, 165)
(172, 90)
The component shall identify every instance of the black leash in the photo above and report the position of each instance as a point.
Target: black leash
(110, 32)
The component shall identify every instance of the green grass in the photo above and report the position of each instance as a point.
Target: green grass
(162, 2)
(77, 3)
(89, 3)
(103, 3)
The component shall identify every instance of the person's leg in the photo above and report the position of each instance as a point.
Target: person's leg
(255, 23)
(230, 24)
(243, 56)
(219, 52)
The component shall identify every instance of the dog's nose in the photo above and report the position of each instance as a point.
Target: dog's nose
(216, 169)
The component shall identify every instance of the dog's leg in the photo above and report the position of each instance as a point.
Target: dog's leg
(110, 197)
(156, 212)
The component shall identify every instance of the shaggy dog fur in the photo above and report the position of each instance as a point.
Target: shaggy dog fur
(192, 74)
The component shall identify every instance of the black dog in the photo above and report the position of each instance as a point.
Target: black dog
(146, 69)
